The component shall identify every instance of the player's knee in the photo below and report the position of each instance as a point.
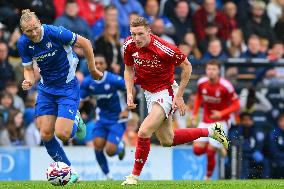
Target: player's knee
(110, 151)
(46, 136)
(63, 135)
(166, 142)
(143, 133)
(98, 147)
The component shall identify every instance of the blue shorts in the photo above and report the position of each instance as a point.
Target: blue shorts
(111, 132)
(63, 102)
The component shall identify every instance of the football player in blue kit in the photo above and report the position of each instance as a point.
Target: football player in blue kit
(111, 113)
(58, 97)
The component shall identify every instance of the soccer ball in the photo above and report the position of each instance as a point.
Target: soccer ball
(58, 174)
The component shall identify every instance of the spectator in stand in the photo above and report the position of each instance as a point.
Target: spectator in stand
(6, 104)
(211, 32)
(90, 10)
(253, 48)
(18, 103)
(251, 141)
(190, 39)
(236, 45)
(188, 51)
(109, 46)
(110, 15)
(125, 8)
(181, 21)
(214, 51)
(275, 149)
(44, 9)
(152, 13)
(70, 20)
(15, 127)
(158, 29)
(279, 28)
(257, 23)
(230, 10)
(59, 6)
(208, 13)
(264, 45)
(6, 70)
(29, 114)
(8, 14)
(274, 11)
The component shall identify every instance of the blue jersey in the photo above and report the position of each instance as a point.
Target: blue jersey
(109, 95)
(53, 55)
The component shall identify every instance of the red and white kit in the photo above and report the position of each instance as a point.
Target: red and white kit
(219, 96)
(154, 69)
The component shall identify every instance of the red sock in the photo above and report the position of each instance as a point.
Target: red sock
(182, 136)
(141, 154)
(210, 161)
(197, 150)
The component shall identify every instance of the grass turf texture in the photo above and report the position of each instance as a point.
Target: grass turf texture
(221, 184)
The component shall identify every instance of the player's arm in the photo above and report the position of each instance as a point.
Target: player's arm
(29, 77)
(234, 106)
(129, 83)
(86, 45)
(185, 75)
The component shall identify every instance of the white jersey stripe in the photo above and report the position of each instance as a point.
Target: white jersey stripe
(164, 48)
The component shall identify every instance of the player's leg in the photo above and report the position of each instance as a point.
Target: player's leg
(46, 112)
(150, 124)
(200, 145)
(100, 134)
(115, 145)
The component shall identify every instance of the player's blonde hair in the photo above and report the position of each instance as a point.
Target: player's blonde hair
(27, 15)
(139, 21)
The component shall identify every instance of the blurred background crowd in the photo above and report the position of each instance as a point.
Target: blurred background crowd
(245, 35)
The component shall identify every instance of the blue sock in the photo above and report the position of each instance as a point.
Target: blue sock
(74, 129)
(119, 147)
(55, 151)
(101, 159)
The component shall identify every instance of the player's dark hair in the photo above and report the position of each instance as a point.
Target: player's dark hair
(27, 15)
(139, 21)
(213, 62)
(281, 116)
(245, 114)
(109, 7)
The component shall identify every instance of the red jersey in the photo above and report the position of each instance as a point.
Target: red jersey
(215, 96)
(154, 64)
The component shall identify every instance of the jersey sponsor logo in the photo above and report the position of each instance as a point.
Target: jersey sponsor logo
(107, 96)
(217, 93)
(147, 63)
(49, 45)
(211, 99)
(139, 160)
(135, 54)
(42, 57)
(32, 47)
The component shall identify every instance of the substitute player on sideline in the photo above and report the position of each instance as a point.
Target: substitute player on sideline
(58, 98)
(111, 114)
(154, 61)
(219, 100)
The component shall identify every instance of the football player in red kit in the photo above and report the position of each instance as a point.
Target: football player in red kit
(219, 100)
(154, 60)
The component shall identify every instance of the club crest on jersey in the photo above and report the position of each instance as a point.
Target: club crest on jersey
(49, 45)
(106, 87)
(217, 93)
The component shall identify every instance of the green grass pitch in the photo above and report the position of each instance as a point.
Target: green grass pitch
(220, 184)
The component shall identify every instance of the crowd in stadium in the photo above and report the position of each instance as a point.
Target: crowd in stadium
(202, 29)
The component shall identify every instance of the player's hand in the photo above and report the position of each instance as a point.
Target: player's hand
(215, 114)
(130, 102)
(26, 85)
(178, 103)
(193, 121)
(124, 114)
(96, 74)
